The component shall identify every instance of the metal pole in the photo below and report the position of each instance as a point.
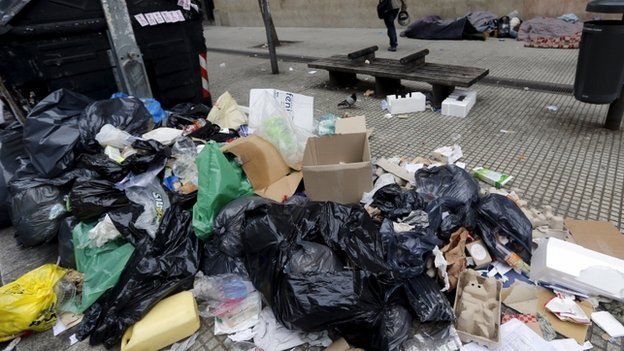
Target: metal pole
(127, 52)
(616, 112)
(266, 16)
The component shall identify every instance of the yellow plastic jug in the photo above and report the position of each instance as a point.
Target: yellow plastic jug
(171, 320)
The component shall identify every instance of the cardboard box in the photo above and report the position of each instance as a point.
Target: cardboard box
(337, 168)
(575, 267)
(265, 168)
(599, 236)
(351, 125)
(478, 304)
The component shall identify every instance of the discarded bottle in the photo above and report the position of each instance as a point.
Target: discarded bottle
(514, 260)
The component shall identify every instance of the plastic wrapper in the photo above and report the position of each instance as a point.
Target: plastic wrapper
(36, 214)
(184, 166)
(407, 252)
(447, 181)
(276, 127)
(220, 294)
(241, 317)
(92, 198)
(51, 131)
(29, 302)
(101, 266)
(229, 223)
(11, 149)
(220, 182)
(125, 113)
(157, 269)
(395, 203)
(115, 137)
(498, 215)
(434, 337)
(66, 243)
(327, 124)
(185, 114)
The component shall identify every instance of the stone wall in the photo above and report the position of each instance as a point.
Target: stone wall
(362, 13)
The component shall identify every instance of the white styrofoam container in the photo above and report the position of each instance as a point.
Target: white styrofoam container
(573, 266)
(411, 102)
(451, 106)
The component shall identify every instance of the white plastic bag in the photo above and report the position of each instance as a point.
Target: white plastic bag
(155, 203)
(165, 136)
(275, 126)
(103, 232)
(111, 136)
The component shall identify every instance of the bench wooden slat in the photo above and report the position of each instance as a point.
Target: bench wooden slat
(429, 72)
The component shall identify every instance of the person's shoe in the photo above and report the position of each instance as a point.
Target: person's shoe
(392, 48)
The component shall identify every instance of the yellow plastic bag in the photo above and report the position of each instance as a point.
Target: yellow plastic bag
(29, 303)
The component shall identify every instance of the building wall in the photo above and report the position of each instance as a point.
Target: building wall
(362, 13)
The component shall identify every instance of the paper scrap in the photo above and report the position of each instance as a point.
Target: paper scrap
(521, 297)
(185, 4)
(159, 18)
(608, 323)
(566, 345)
(72, 339)
(59, 327)
(515, 336)
(575, 331)
(151, 19)
(413, 167)
(566, 309)
(141, 19)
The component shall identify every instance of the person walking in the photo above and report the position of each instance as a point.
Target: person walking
(388, 10)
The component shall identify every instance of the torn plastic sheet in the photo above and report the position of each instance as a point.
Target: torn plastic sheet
(440, 264)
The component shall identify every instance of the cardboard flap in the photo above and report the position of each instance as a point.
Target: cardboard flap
(286, 186)
(262, 163)
(395, 169)
(346, 166)
(599, 236)
(351, 125)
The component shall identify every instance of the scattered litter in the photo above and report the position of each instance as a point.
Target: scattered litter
(291, 69)
(185, 344)
(494, 178)
(564, 307)
(388, 115)
(369, 93)
(384, 105)
(312, 72)
(367, 62)
(505, 131)
(447, 154)
(552, 108)
(608, 323)
(222, 65)
(515, 335)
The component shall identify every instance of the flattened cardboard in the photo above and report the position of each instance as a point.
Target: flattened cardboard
(351, 125)
(395, 169)
(337, 168)
(521, 297)
(575, 331)
(599, 236)
(265, 168)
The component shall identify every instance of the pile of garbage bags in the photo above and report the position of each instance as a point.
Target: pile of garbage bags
(144, 205)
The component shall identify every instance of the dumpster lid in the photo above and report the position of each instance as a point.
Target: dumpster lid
(10, 8)
(606, 6)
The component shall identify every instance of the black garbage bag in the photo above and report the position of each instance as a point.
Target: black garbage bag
(156, 270)
(103, 166)
(66, 243)
(447, 214)
(51, 131)
(407, 252)
(11, 150)
(426, 301)
(309, 257)
(124, 218)
(126, 113)
(36, 213)
(228, 223)
(215, 262)
(92, 198)
(185, 114)
(447, 181)
(151, 154)
(498, 215)
(394, 203)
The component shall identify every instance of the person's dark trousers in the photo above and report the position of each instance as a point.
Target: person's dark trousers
(389, 21)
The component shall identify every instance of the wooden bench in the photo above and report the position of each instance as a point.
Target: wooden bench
(389, 72)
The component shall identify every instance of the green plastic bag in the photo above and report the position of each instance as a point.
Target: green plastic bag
(220, 181)
(101, 266)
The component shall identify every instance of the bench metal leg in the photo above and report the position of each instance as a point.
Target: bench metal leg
(387, 86)
(342, 78)
(439, 93)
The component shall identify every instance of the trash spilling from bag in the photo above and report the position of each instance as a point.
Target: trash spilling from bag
(279, 232)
